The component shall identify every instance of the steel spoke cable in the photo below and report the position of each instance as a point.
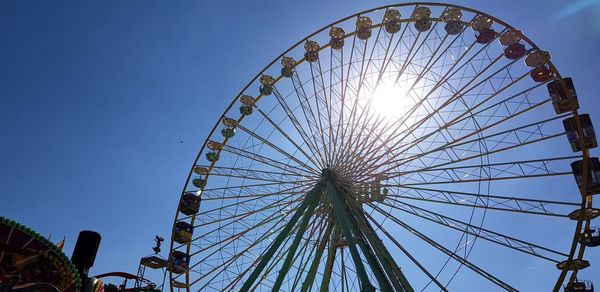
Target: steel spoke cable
(237, 217)
(398, 162)
(489, 235)
(501, 203)
(405, 252)
(452, 177)
(225, 264)
(457, 142)
(260, 239)
(241, 234)
(278, 149)
(317, 88)
(455, 96)
(263, 159)
(449, 74)
(307, 110)
(289, 156)
(414, 108)
(469, 115)
(456, 257)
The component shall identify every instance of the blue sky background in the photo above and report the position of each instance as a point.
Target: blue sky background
(103, 107)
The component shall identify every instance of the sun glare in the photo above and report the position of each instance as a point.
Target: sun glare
(390, 100)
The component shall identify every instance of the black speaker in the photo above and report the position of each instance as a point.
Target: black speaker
(85, 251)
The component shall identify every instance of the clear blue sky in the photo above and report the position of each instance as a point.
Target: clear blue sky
(95, 99)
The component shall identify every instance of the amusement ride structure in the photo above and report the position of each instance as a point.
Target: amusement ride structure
(418, 146)
(30, 262)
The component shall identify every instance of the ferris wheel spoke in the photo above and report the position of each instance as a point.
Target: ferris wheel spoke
(463, 90)
(257, 174)
(410, 48)
(483, 172)
(309, 116)
(448, 76)
(350, 155)
(481, 141)
(457, 96)
(515, 137)
(351, 62)
(352, 140)
(356, 69)
(292, 118)
(341, 122)
(250, 212)
(428, 68)
(336, 79)
(388, 57)
(492, 202)
(230, 239)
(479, 232)
(446, 251)
(242, 203)
(485, 115)
(219, 197)
(323, 108)
(371, 68)
(394, 163)
(265, 141)
(357, 140)
(363, 118)
(385, 142)
(450, 73)
(410, 61)
(355, 159)
(240, 235)
(221, 268)
(452, 159)
(406, 253)
(401, 136)
(250, 187)
(264, 160)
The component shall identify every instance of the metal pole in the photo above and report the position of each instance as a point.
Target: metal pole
(312, 195)
(313, 202)
(341, 217)
(329, 262)
(399, 281)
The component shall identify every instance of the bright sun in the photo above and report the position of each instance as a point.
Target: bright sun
(390, 100)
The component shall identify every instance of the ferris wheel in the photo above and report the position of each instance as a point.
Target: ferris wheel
(410, 147)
